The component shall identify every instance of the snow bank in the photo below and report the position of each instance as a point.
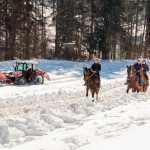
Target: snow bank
(56, 109)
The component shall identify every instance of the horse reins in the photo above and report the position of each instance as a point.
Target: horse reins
(90, 76)
(132, 76)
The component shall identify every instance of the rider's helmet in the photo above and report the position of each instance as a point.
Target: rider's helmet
(139, 60)
(144, 61)
(96, 59)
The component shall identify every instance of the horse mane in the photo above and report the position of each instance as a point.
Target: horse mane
(90, 71)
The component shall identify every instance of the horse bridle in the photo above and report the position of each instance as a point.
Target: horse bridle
(90, 75)
(133, 75)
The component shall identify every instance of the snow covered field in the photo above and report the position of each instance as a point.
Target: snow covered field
(58, 116)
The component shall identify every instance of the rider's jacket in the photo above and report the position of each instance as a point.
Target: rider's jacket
(137, 66)
(96, 67)
(145, 67)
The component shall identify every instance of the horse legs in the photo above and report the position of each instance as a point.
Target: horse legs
(128, 90)
(93, 95)
(87, 89)
(97, 90)
(145, 88)
(96, 96)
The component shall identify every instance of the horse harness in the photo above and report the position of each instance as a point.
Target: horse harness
(92, 75)
(134, 75)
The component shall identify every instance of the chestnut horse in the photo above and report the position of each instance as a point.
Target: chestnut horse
(133, 80)
(92, 82)
(144, 82)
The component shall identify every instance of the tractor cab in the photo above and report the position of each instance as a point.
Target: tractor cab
(25, 66)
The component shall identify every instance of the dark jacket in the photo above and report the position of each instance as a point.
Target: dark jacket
(137, 66)
(96, 67)
(145, 67)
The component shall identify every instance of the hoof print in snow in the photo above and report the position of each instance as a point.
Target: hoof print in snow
(26, 110)
(73, 107)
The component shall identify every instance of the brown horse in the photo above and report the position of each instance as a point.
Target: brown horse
(92, 82)
(144, 82)
(132, 80)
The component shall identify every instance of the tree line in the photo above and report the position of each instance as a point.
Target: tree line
(108, 29)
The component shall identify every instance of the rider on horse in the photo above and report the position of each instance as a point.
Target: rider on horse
(96, 68)
(138, 67)
(145, 69)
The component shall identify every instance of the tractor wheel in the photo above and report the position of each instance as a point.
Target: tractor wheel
(20, 81)
(38, 79)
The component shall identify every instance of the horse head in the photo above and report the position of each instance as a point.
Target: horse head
(130, 71)
(86, 73)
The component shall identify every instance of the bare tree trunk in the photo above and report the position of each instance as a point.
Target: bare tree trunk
(42, 39)
(114, 48)
(105, 52)
(136, 30)
(129, 48)
(12, 32)
(147, 38)
(56, 39)
(143, 35)
(99, 54)
(92, 25)
(35, 32)
(27, 52)
(131, 35)
(104, 55)
(6, 39)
